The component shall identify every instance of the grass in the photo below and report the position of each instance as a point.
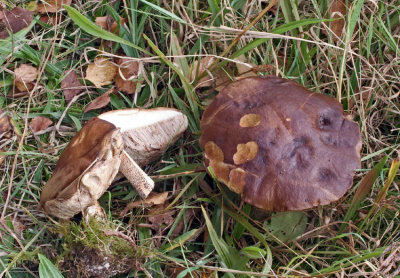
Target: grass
(204, 229)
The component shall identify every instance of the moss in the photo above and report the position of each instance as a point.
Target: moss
(89, 250)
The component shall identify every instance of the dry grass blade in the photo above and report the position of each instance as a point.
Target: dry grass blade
(363, 189)
(382, 194)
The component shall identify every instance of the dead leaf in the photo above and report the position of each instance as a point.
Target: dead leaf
(2, 157)
(159, 216)
(51, 20)
(52, 6)
(218, 78)
(130, 71)
(104, 22)
(18, 227)
(245, 69)
(337, 9)
(40, 123)
(13, 21)
(5, 125)
(153, 199)
(100, 101)
(108, 23)
(101, 72)
(70, 85)
(190, 213)
(25, 75)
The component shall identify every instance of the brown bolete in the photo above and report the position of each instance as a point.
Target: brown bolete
(117, 141)
(279, 145)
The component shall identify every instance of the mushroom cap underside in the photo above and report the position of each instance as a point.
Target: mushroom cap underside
(147, 132)
(85, 169)
(279, 145)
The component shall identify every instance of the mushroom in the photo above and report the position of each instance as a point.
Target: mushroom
(279, 145)
(117, 141)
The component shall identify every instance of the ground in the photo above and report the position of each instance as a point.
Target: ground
(65, 69)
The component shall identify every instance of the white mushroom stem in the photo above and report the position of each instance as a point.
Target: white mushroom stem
(142, 183)
(95, 211)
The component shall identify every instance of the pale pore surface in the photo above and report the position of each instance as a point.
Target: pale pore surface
(147, 132)
(135, 118)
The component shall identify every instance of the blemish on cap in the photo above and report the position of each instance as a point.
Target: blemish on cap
(213, 152)
(250, 120)
(237, 180)
(245, 152)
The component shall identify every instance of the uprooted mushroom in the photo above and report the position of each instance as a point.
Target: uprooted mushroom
(116, 141)
(279, 145)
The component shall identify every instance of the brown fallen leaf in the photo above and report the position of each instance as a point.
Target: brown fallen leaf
(128, 71)
(154, 198)
(52, 6)
(100, 101)
(104, 22)
(13, 21)
(101, 72)
(337, 9)
(5, 125)
(51, 20)
(218, 78)
(159, 216)
(25, 75)
(40, 123)
(244, 70)
(2, 157)
(108, 23)
(190, 213)
(70, 85)
(18, 227)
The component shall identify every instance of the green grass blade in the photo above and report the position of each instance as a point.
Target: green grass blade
(8, 45)
(164, 11)
(382, 194)
(363, 189)
(47, 268)
(229, 255)
(354, 16)
(180, 240)
(89, 27)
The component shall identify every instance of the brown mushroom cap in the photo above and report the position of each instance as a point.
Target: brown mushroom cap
(279, 145)
(84, 171)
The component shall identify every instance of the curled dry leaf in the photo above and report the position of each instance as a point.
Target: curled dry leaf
(5, 125)
(25, 75)
(244, 68)
(337, 9)
(218, 78)
(100, 101)
(152, 200)
(52, 6)
(70, 85)
(108, 23)
(13, 21)
(40, 123)
(104, 22)
(128, 72)
(101, 72)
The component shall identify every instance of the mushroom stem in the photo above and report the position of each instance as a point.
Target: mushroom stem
(136, 176)
(95, 211)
